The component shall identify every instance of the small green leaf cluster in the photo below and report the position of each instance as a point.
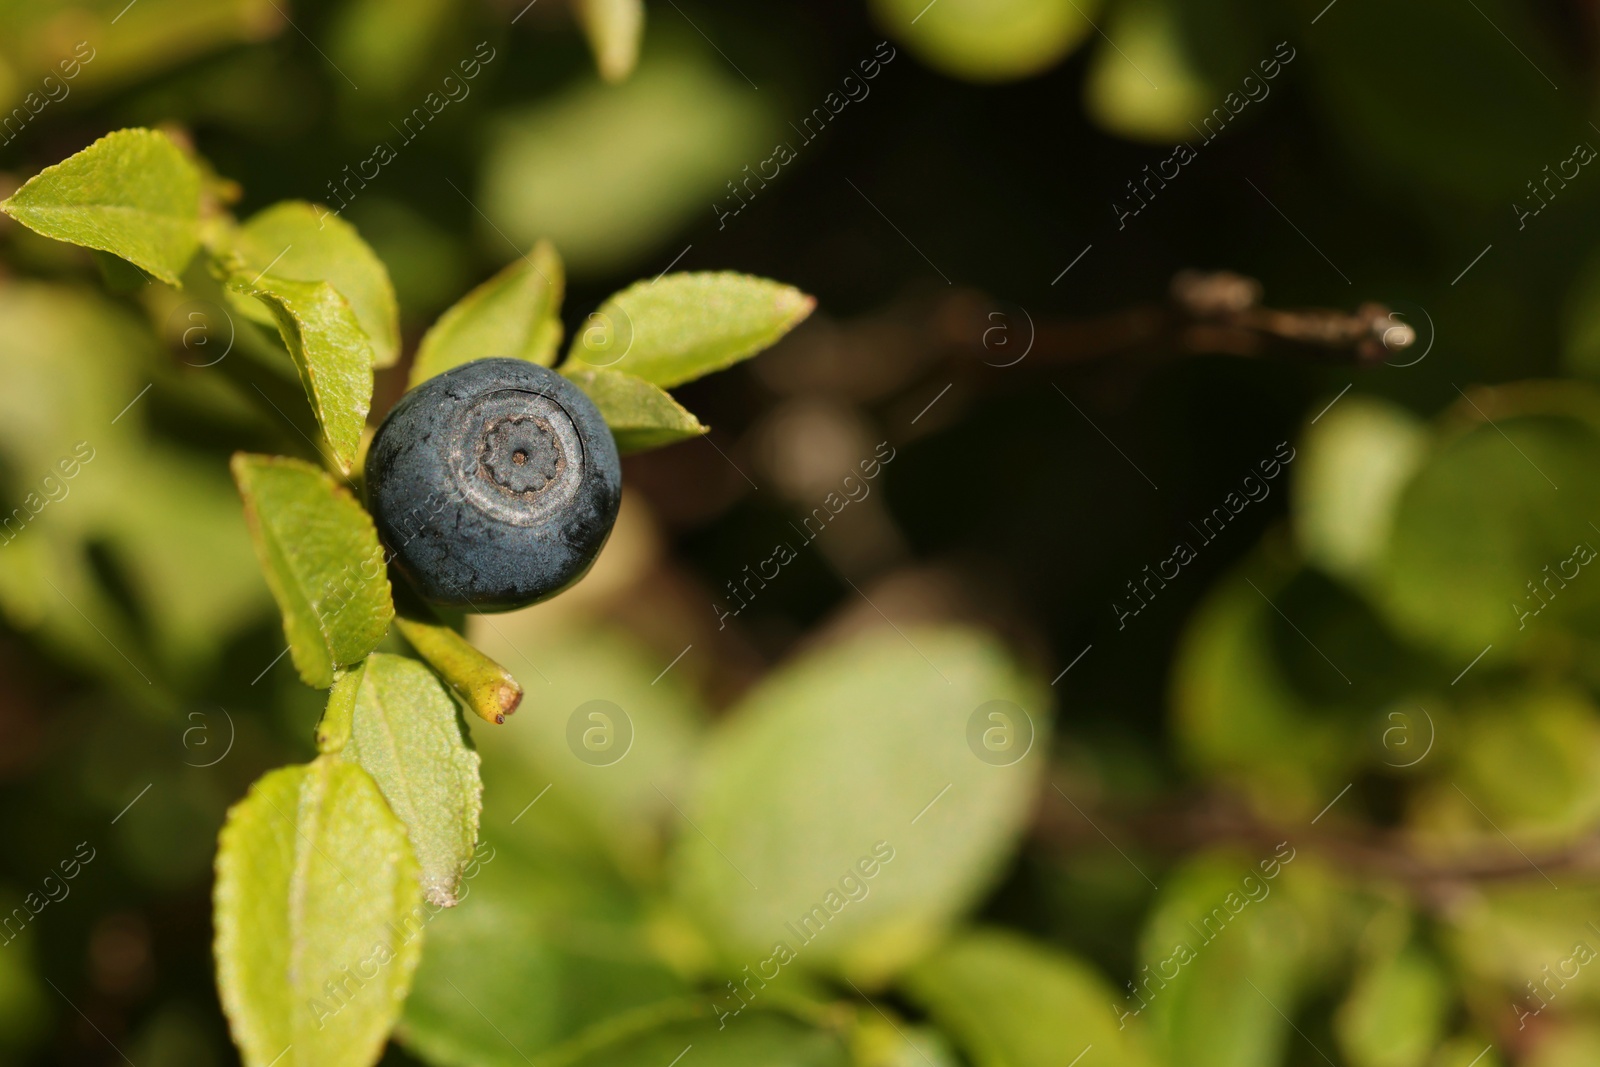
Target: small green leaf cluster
(1416, 646)
(326, 872)
(737, 884)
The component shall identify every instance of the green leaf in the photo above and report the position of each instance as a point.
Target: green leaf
(1012, 1003)
(1525, 761)
(1353, 465)
(132, 193)
(1148, 87)
(641, 416)
(764, 1037)
(403, 727)
(386, 47)
(877, 1040)
(1396, 1011)
(517, 313)
(71, 362)
(545, 948)
(1506, 933)
(689, 123)
(317, 912)
(652, 1037)
(614, 28)
(859, 772)
(1230, 947)
(611, 785)
(1490, 536)
(684, 326)
(1237, 717)
(320, 553)
(305, 242)
(988, 40)
(331, 351)
(1471, 1049)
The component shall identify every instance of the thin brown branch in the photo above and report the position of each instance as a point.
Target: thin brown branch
(1216, 313)
(964, 334)
(1209, 821)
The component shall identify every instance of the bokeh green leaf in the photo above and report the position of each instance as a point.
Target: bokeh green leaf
(1146, 87)
(615, 783)
(769, 1038)
(1012, 1003)
(546, 948)
(1396, 1011)
(985, 40)
(841, 809)
(1233, 945)
(609, 172)
(1354, 463)
(614, 28)
(1487, 537)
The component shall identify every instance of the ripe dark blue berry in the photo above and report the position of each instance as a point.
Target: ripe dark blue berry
(494, 485)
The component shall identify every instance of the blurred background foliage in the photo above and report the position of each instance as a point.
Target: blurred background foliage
(1381, 657)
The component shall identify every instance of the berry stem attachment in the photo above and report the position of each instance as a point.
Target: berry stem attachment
(481, 683)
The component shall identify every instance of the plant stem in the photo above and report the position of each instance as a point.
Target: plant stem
(482, 684)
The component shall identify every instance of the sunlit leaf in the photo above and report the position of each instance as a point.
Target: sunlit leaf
(1525, 762)
(1508, 933)
(766, 1037)
(1012, 1003)
(680, 327)
(382, 46)
(1491, 536)
(305, 242)
(614, 28)
(317, 915)
(132, 193)
(1147, 87)
(1396, 1011)
(516, 313)
(1230, 948)
(545, 950)
(850, 808)
(1237, 715)
(406, 731)
(330, 350)
(320, 553)
(1353, 464)
(986, 40)
(609, 172)
(605, 730)
(641, 416)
